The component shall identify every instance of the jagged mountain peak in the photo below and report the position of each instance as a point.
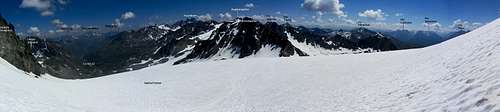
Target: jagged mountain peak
(15, 50)
(363, 30)
(3, 22)
(427, 33)
(241, 39)
(192, 21)
(456, 33)
(194, 40)
(360, 33)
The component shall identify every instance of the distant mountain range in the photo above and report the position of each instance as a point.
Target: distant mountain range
(92, 54)
(418, 39)
(192, 40)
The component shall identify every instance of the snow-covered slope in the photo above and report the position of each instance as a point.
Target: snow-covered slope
(461, 74)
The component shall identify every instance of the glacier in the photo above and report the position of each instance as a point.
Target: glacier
(461, 74)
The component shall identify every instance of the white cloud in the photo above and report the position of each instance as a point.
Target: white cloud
(348, 21)
(476, 25)
(76, 26)
(459, 23)
(34, 31)
(437, 26)
(118, 22)
(384, 25)
(433, 26)
(64, 26)
(264, 18)
(333, 6)
(20, 34)
(259, 17)
(321, 13)
(128, 15)
(373, 14)
(47, 13)
(398, 14)
(249, 5)
(317, 18)
(45, 7)
(225, 16)
(57, 22)
(331, 20)
(302, 18)
(206, 17)
(63, 2)
(466, 24)
(37, 4)
(61, 25)
(125, 16)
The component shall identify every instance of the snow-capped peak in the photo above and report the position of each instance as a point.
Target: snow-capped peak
(164, 27)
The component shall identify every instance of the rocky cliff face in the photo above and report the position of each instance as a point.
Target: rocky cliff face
(15, 50)
(189, 41)
(193, 40)
(147, 46)
(242, 39)
(58, 60)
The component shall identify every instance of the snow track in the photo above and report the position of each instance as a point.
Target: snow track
(461, 74)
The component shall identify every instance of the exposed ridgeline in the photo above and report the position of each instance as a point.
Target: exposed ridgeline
(91, 54)
(182, 42)
(56, 58)
(193, 40)
(459, 75)
(148, 46)
(419, 39)
(243, 39)
(15, 50)
(62, 54)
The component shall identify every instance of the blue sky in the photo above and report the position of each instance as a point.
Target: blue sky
(100, 12)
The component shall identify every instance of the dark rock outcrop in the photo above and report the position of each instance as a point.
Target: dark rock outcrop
(17, 51)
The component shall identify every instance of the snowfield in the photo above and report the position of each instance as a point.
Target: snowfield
(462, 74)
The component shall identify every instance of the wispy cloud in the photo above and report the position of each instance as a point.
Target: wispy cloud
(465, 24)
(225, 16)
(206, 17)
(45, 7)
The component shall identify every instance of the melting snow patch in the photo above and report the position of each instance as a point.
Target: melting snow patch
(268, 51)
(207, 35)
(176, 28)
(164, 27)
(315, 50)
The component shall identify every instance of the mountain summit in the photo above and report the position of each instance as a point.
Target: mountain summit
(457, 75)
(194, 40)
(15, 50)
